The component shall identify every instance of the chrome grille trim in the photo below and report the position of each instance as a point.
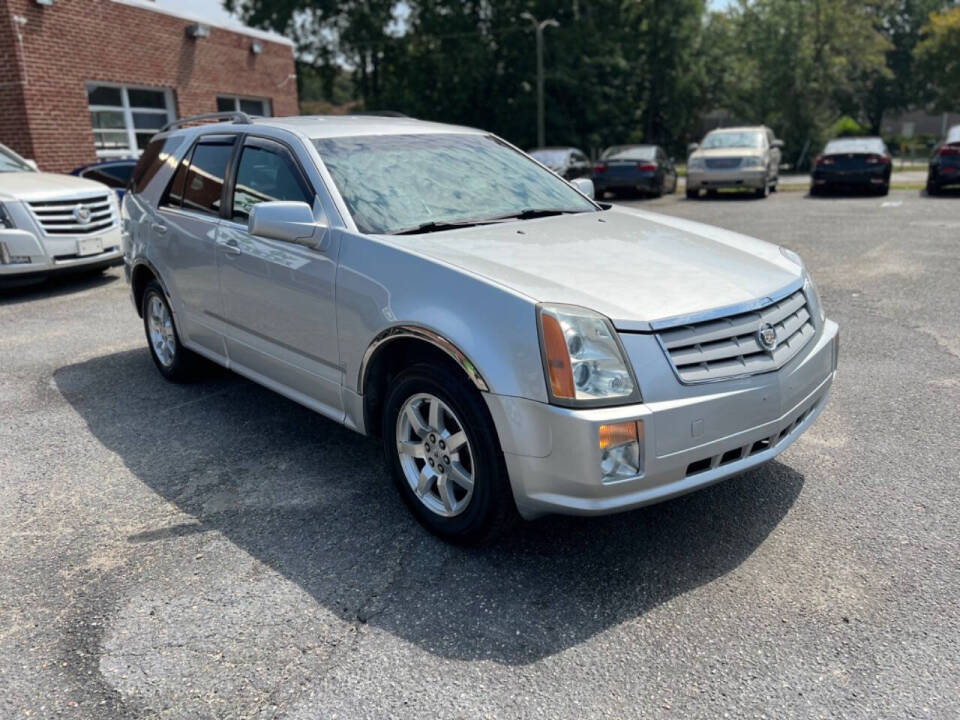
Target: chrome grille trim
(728, 347)
(55, 216)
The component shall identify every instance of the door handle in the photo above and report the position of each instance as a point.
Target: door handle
(230, 247)
(159, 228)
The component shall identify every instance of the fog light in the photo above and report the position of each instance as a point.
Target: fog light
(621, 450)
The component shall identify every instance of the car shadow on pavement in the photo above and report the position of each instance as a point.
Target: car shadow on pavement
(311, 500)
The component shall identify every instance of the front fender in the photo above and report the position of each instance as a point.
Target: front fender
(383, 288)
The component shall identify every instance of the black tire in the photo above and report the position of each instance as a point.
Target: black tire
(658, 192)
(184, 364)
(693, 194)
(884, 190)
(762, 192)
(673, 185)
(491, 509)
(932, 188)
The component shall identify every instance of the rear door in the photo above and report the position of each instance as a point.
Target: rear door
(184, 239)
(278, 297)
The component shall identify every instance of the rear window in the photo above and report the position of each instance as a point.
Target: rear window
(633, 152)
(153, 158)
(855, 145)
(115, 176)
(953, 135)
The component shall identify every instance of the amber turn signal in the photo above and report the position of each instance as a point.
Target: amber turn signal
(617, 434)
(558, 358)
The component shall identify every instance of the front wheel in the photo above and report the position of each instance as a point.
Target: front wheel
(693, 194)
(761, 192)
(444, 455)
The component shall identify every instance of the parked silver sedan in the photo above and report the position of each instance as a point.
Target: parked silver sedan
(518, 347)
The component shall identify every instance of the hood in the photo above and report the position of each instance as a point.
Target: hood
(36, 185)
(633, 266)
(738, 152)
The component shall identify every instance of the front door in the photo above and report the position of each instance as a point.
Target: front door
(277, 297)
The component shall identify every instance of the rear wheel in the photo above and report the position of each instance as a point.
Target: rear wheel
(174, 361)
(444, 455)
(932, 188)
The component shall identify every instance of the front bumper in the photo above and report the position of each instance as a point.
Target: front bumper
(31, 256)
(553, 457)
(753, 178)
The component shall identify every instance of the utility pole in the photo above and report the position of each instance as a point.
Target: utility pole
(538, 28)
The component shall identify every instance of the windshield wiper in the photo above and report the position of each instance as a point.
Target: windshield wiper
(439, 225)
(533, 213)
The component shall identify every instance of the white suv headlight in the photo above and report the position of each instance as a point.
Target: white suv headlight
(584, 362)
(696, 163)
(752, 161)
(5, 221)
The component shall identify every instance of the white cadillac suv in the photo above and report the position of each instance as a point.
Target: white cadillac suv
(53, 223)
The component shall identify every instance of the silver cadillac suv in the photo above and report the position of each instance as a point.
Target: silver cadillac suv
(519, 348)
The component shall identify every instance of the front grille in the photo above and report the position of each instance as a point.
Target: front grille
(74, 216)
(730, 347)
(723, 163)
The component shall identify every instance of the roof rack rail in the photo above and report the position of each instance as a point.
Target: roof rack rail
(235, 115)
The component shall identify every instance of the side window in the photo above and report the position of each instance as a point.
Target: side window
(174, 193)
(158, 152)
(204, 180)
(267, 172)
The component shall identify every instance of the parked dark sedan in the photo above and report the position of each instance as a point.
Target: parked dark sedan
(634, 168)
(567, 162)
(945, 163)
(861, 163)
(112, 173)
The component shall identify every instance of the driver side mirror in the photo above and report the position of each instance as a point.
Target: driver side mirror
(692, 147)
(32, 165)
(777, 144)
(584, 185)
(291, 222)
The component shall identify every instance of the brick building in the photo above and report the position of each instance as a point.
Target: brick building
(88, 79)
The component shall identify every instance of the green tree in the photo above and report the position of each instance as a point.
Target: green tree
(938, 57)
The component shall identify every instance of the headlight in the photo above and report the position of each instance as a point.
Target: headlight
(696, 163)
(584, 362)
(5, 220)
(752, 161)
(809, 286)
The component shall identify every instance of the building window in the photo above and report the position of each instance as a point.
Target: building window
(124, 118)
(251, 106)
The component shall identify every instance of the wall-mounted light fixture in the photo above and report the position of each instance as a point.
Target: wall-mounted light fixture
(256, 47)
(46, 3)
(198, 31)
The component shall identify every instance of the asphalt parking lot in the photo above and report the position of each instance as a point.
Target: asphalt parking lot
(214, 550)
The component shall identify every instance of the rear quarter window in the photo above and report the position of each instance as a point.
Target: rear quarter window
(156, 154)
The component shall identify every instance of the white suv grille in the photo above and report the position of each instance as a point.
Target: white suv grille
(730, 346)
(74, 216)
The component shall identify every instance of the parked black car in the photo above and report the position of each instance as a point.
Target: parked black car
(634, 168)
(861, 163)
(112, 173)
(945, 163)
(567, 162)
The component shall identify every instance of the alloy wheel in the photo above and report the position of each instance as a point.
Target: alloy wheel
(435, 455)
(160, 327)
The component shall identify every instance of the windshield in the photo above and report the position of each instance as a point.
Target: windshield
(550, 158)
(855, 145)
(11, 162)
(742, 139)
(631, 152)
(398, 182)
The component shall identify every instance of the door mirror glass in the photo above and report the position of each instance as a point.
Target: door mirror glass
(778, 144)
(584, 185)
(288, 221)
